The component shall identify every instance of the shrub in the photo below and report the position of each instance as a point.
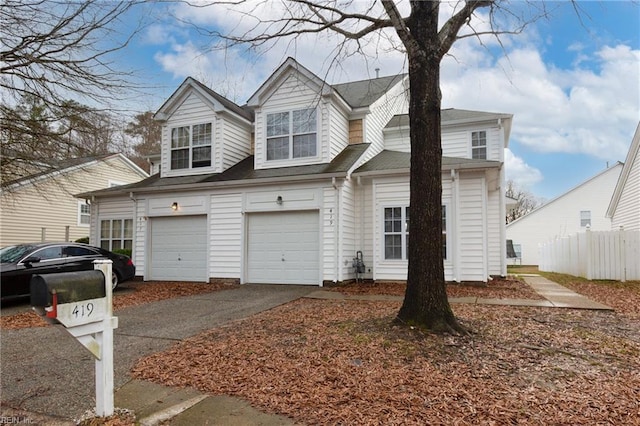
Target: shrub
(126, 252)
(84, 240)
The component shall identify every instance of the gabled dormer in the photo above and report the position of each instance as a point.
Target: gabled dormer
(202, 131)
(300, 119)
(467, 134)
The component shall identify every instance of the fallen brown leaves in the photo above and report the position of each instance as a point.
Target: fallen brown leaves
(343, 362)
(498, 288)
(129, 294)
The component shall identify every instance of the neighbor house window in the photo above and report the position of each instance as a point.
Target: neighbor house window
(191, 146)
(84, 213)
(116, 234)
(292, 134)
(585, 218)
(396, 232)
(479, 145)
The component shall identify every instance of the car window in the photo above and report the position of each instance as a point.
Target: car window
(71, 251)
(13, 253)
(48, 253)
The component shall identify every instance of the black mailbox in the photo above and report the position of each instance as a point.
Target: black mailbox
(69, 287)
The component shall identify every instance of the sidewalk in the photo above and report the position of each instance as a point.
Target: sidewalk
(155, 404)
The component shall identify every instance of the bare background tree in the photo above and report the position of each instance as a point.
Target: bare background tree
(53, 51)
(526, 202)
(425, 41)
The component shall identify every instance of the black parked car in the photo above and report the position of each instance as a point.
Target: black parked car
(21, 261)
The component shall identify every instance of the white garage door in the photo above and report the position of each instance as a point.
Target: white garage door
(283, 248)
(179, 249)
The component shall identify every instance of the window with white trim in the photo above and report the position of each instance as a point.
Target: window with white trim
(84, 213)
(585, 218)
(116, 234)
(479, 145)
(292, 134)
(191, 146)
(396, 232)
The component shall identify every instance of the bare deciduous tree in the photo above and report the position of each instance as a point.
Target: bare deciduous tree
(525, 202)
(425, 43)
(52, 51)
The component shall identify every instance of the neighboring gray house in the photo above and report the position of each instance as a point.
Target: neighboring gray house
(287, 188)
(42, 206)
(624, 208)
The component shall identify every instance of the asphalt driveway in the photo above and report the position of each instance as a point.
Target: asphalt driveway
(45, 370)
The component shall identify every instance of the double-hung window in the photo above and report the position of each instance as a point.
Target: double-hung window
(479, 145)
(585, 218)
(84, 213)
(396, 232)
(116, 234)
(292, 134)
(191, 146)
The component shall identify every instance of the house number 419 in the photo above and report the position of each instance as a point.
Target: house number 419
(80, 311)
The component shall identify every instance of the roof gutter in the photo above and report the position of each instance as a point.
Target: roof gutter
(218, 184)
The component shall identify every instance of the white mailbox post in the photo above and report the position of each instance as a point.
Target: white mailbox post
(87, 315)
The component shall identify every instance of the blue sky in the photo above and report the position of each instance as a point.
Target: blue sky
(572, 82)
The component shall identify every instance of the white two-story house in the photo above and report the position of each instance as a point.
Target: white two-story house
(289, 187)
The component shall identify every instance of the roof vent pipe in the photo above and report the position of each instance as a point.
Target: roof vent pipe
(377, 72)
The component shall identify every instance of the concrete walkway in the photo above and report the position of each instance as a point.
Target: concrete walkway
(556, 296)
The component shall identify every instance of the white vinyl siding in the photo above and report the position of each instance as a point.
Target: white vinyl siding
(329, 234)
(192, 111)
(495, 238)
(627, 213)
(382, 110)
(347, 228)
(236, 142)
(294, 93)
(472, 228)
(225, 236)
(456, 141)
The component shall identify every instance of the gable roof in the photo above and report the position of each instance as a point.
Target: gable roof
(68, 165)
(360, 94)
(217, 101)
(243, 173)
(399, 162)
(632, 156)
(552, 201)
(453, 116)
(357, 94)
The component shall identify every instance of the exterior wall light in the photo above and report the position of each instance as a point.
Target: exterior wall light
(279, 200)
(174, 206)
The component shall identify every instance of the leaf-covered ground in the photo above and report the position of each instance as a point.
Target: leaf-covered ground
(344, 362)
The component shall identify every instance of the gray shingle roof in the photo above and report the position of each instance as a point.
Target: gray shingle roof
(397, 161)
(450, 116)
(365, 92)
(243, 172)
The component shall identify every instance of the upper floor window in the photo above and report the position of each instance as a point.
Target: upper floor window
(479, 145)
(585, 218)
(291, 134)
(191, 146)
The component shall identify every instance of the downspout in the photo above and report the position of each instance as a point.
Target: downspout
(503, 226)
(337, 267)
(454, 240)
(134, 252)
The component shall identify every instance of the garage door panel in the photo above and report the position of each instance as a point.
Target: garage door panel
(292, 236)
(179, 249)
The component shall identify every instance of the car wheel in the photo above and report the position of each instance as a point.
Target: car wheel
(114, 280)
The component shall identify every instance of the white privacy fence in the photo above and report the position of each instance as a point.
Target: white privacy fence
(595, 255)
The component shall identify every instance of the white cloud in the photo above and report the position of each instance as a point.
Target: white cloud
(524, 175)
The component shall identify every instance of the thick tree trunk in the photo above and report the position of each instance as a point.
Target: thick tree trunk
(425, 302)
